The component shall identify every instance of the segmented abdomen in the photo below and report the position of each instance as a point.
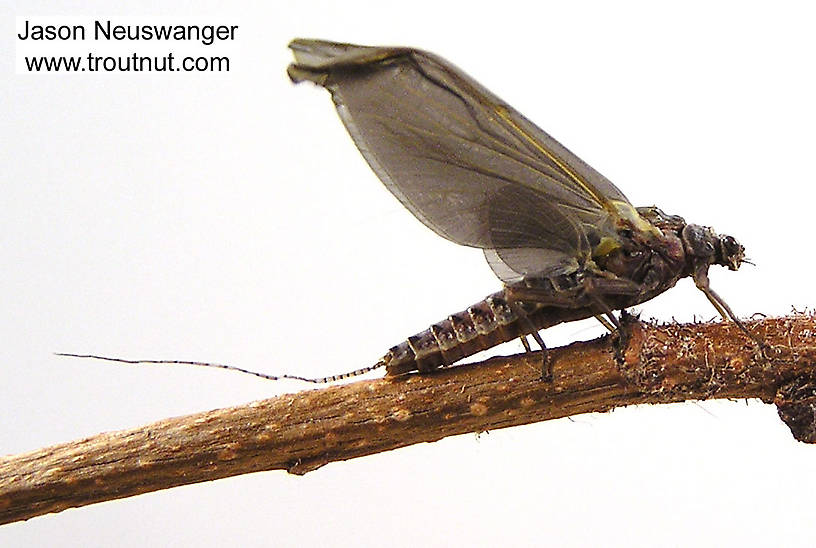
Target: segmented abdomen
(487, 323)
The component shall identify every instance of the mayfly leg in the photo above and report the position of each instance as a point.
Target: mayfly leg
(532, 331)
(594, 289)
(701, 281)
(546, 361)
(521, 294)
(614, 326)
(610, 326)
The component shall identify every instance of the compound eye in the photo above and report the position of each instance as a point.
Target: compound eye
(730, 245)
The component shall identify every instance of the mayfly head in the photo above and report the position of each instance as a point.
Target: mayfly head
(706, 246)
(730, 252)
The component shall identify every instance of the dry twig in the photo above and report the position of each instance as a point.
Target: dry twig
(301, 432)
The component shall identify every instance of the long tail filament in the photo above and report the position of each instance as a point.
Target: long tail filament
(320, 380)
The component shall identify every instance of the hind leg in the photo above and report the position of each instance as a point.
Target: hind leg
(546, 361)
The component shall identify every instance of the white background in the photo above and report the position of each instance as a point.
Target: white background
(229, 217)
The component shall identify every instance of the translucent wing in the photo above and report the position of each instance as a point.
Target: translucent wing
(462, 161)
(519, 220)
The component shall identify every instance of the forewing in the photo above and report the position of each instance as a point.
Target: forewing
(462, 161)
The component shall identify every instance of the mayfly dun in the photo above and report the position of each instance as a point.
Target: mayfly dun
(566, 243)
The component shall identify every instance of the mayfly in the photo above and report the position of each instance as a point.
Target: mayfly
(566, 243)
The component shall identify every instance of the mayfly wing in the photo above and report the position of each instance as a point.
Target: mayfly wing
(465, 163)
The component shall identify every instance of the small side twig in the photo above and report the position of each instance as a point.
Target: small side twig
(301, 432)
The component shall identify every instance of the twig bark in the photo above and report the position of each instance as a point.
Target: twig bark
(301, 432)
